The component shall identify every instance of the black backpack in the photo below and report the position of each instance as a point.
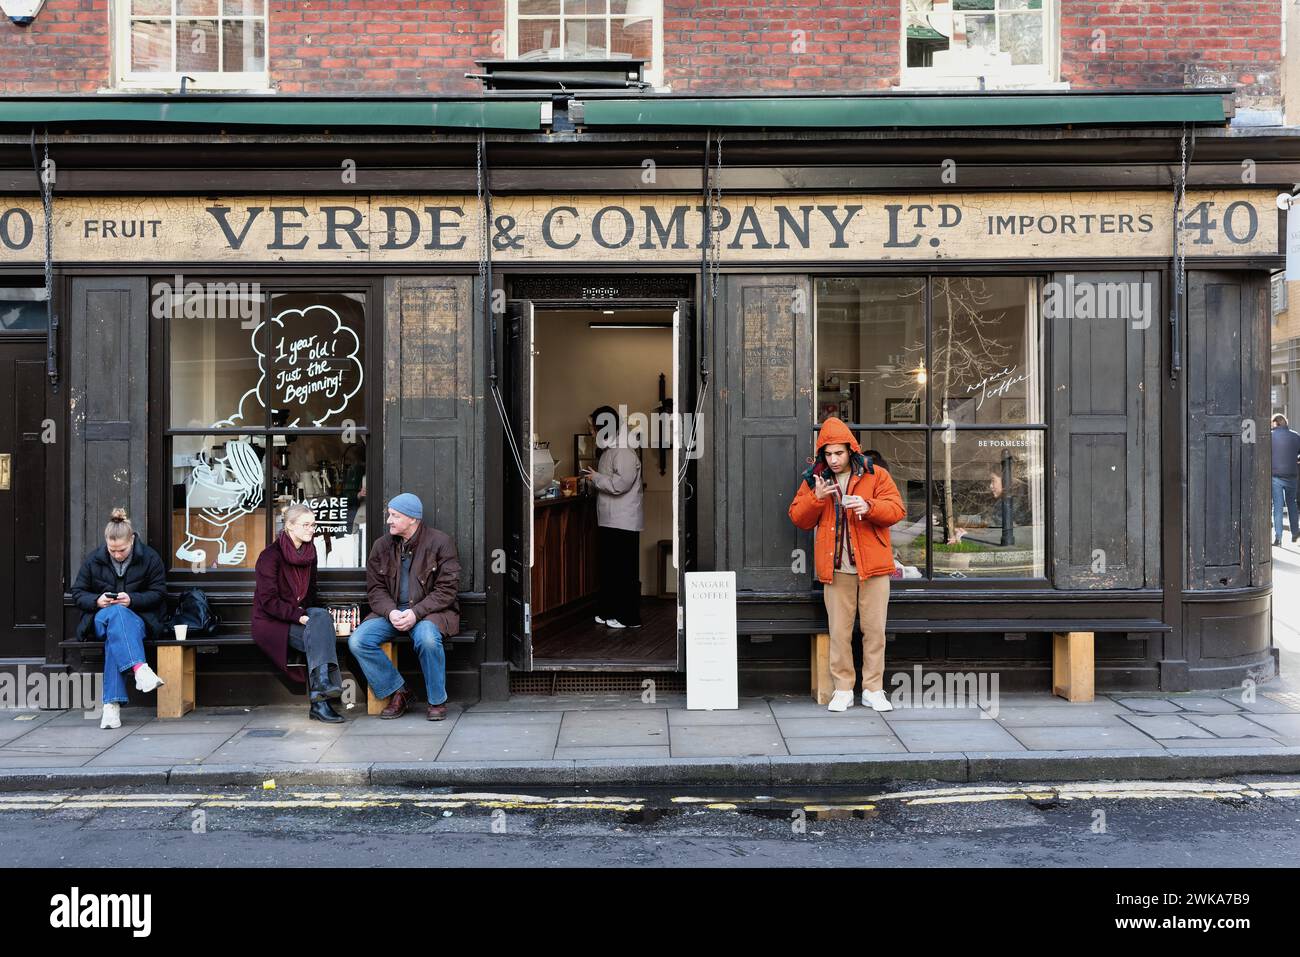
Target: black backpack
(193, 610)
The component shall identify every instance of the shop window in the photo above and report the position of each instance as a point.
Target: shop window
(266, 408)
(957, 42)
(23, 309)
(952, 406)
(218, 44)
(588, 29)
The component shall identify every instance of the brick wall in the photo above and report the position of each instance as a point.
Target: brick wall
(426, 46)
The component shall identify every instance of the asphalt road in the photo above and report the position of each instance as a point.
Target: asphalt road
(1241, 823)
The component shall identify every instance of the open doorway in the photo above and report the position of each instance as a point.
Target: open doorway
(589, 559)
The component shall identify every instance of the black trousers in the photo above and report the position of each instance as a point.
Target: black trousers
(619, 558)
(315, 639)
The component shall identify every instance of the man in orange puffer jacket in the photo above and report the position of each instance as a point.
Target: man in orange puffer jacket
(852, 502)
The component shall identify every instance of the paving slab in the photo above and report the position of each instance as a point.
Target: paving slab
(933, 714)
(1229, 725)
(1166, 726)
(846, 744)
(835, 724)
(366, 748)
(611, 702)
(194, 723)
(1209, 704)
(1180, 744)
(296, 746)
(473, 739)
(1282, 724)
(584, 729)
(617, 753)
(1095, 738)
(1150, 705)
(68, 736)
(412, 723)
(730, 740)
(156, 750)
(14, 724)
(1077, 715)
(18, 760)
(962, 735)
(754, 711)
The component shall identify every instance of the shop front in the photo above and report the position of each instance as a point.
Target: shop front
(1065, 389)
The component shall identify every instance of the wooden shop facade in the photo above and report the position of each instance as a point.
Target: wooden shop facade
(242, 303)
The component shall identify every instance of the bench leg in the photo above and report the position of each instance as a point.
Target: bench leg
(375, 705)
(822, 684)
(1073, 665)
(176, 669)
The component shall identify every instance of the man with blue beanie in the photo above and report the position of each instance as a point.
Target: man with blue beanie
(412, 580)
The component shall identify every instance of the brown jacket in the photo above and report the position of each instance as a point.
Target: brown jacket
(435, 578)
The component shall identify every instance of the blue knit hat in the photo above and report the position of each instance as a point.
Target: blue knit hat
(409, 505)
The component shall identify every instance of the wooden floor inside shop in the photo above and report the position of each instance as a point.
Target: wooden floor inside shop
(577, 637)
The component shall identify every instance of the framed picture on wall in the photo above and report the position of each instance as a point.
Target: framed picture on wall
(902, 411)
(960, 408)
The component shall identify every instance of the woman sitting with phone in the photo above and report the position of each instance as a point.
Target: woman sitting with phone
(122, 588)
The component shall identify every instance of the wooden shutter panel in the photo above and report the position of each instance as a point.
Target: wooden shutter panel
(1227, 477)
(433, 413)
(108, 386)
(765, 401)
(1105, 475)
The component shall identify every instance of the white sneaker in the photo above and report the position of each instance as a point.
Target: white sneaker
(614, 623)
(599, 620)
(146, 680)
(840, 701)
(876, 699)
(112, 715)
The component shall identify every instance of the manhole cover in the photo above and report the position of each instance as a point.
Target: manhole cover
(266, 733)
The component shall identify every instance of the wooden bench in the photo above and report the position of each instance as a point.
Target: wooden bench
(1073, 663)
(177, 667)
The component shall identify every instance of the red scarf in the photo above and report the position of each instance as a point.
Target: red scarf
(297, 566)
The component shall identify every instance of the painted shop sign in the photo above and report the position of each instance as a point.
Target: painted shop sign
(633, 227)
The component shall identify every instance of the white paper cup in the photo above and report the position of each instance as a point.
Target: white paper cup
(180, 631)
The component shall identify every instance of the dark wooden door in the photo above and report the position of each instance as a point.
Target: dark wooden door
(24, 568)
(517, 395)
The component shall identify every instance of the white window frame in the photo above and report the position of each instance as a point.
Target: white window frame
(654, 70)
(1034, 77)
(125, 79)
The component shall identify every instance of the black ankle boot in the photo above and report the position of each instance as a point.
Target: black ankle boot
(321, 711)
(321, 686)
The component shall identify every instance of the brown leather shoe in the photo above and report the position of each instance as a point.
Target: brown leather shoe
(397, 704)
(437, 712)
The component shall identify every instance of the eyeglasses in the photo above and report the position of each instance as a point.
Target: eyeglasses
(306, 525)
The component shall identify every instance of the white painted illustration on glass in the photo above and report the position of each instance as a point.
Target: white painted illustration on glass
(220, 493)
(315, 367)
(315, 371)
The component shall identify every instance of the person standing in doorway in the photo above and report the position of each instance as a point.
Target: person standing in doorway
(851, 501)
(1286, 455)
(620, 517)
(122, 590)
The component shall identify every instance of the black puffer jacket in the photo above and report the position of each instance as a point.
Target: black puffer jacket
(145, 581)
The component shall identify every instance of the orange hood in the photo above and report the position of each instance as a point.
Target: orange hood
(834, 430)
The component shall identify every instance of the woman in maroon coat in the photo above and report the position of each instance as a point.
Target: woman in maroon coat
(285, 612)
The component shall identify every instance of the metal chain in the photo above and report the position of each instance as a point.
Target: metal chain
(47, 205)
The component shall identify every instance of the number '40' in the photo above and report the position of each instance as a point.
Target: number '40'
(1198, 221)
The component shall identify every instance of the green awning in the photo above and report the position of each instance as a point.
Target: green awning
(865, 112)
(525, 115)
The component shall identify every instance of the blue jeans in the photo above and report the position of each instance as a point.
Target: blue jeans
(122, 632)
(1284, 489)
(382, 676)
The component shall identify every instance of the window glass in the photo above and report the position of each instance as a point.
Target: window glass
(327, 473)
(315, 362)
(988, 518)
(903, 456)
(970, 37)
(218, 492)
(215, 377)
(23, 310)
(871, 350)
(985, 363)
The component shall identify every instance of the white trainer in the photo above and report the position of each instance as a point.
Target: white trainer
(112, 716)
(840, 701)
(877, 700)
(599, 620)
(146, 680)
(614, 623)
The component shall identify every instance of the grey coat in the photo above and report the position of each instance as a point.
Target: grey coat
(620, 503)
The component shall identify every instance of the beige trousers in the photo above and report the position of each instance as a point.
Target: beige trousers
(846, 595)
